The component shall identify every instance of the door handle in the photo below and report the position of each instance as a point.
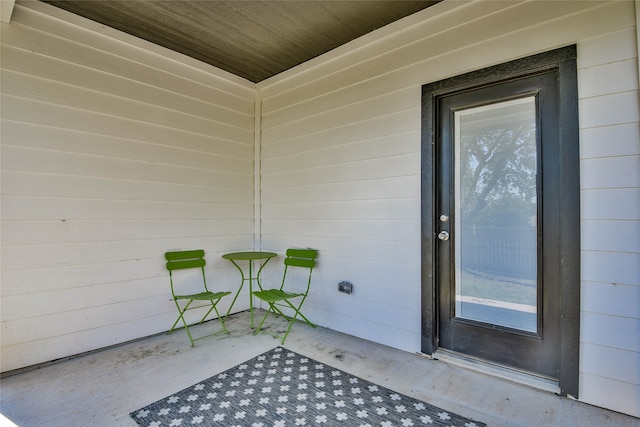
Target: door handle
(443, 235)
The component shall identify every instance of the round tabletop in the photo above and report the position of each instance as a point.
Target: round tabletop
(248, 255)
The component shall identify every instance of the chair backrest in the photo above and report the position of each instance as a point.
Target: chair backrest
(181, 260)
(303, 258)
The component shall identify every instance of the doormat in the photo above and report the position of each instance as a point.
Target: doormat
(281, 388)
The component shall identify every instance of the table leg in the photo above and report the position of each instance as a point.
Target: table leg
(251, 292)
(260, 271)
(249, 278)
(239, 289)
(257, 278)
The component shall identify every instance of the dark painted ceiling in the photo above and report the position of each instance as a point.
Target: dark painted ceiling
(252, 39)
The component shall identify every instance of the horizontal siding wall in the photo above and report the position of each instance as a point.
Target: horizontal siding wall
(340, 168)
(610, 210)
(113, 152)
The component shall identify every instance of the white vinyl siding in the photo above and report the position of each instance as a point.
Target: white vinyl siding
(610, 211)
(113, 152)
(341, 168)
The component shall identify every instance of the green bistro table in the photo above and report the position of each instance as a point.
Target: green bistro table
(236, 257)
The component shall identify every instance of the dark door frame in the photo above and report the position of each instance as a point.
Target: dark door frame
(564, 62)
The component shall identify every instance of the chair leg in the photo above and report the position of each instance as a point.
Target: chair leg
(186, 326)
(215, 308)
(224, 328)
(181, 315)
(234, 299)
(271, 307)
(299, 313)
(208, 312)
(291, 319)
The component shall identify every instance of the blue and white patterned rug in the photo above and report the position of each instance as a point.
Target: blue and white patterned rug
(281, 388)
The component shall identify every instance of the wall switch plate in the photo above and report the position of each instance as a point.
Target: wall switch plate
(345, 287)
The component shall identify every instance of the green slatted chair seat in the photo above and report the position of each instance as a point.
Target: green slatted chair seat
(273, 295)
(203, 296)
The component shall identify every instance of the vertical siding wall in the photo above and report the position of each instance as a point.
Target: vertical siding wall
(341, 169)
(113, 151)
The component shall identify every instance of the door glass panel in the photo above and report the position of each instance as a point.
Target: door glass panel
(496, 214)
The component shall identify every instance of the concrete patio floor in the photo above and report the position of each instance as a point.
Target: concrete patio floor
(102, 388)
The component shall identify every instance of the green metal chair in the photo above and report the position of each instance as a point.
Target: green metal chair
(277, 298)
(194, 259)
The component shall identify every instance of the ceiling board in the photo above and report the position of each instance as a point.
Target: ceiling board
(252, 39)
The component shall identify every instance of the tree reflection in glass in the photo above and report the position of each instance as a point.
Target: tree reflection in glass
(496, 213)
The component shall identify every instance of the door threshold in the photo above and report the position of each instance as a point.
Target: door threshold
(485, 367)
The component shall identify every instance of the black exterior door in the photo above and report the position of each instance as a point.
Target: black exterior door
(501, 218)
(496, 164)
